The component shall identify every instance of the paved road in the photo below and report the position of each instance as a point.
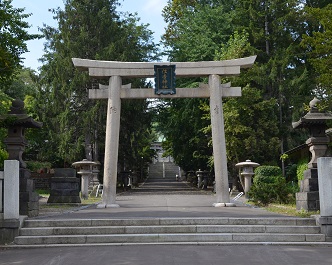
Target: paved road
(169, 255)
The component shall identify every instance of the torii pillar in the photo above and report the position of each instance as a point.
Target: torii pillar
(115, 91)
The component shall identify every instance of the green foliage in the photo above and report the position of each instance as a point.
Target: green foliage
(3, 157)
(271, 190)
(301, 167)
(290, 173)
(13, 32)
(180, 121)
(198, 32)
(267, 171)
(270, 186)
(34, 166)
(319, 48)
(236, 47)
(91, 29)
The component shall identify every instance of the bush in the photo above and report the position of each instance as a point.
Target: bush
(34, 166)
(267, 171)
(3, 157)
(301, 167)
(270, 186)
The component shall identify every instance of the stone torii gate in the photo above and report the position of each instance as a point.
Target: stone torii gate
(115, 91)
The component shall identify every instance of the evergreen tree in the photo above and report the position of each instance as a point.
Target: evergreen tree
(13, 33)
(89, 29)
(319, 47)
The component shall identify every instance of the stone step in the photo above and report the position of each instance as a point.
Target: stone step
(169, 221)
(167, 238)
(168, 230)
(105, 230)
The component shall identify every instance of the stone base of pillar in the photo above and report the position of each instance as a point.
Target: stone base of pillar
(325, 224)
(9, 229)
(28, 198)
(224, 204)
(103, 205)
(308, 201)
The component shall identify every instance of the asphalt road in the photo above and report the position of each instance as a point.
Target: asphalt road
(171, 254)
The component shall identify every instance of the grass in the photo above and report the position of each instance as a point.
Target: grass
(46, 208)
(289, 209)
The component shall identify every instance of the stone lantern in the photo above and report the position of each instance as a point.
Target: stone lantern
(85, 169)
(95, 171)
(315, 121)
(17, 121)
(247, 172)
(202, 179)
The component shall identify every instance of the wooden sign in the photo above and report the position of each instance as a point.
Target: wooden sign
(164, 79)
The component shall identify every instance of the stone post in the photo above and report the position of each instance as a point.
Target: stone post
(324, 166)
(219, 143)
(11, 189)
(112, 143)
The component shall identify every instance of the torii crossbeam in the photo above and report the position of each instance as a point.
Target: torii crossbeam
(115, 91)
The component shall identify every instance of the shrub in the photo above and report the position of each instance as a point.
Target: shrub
(267, 171)
(270, 186)
(3, 157)
(301, 167)
(34, 166)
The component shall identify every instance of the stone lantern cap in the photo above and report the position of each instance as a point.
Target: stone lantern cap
(313, 117)
(247, 163)
(84, 166)
(248, 167)
(18, 117)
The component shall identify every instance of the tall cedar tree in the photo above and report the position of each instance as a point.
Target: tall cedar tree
(90, 29)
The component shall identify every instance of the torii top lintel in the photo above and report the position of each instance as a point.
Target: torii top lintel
(104, 69)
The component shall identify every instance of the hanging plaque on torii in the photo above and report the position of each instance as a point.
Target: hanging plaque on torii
(164, 76)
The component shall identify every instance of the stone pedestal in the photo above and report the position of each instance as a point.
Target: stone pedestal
(64, 186)
(325, 195)
(308, 197)
(29, 199)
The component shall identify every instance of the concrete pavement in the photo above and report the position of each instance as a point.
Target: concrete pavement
(164, 198)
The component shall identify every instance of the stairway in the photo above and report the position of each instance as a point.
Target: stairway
(156, 170)
(69, 232)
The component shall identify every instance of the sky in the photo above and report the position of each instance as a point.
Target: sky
(148, 10)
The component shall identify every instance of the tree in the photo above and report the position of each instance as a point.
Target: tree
(319, 47)
(281, 76)
(13, 32)
(93, 30)
(197, 30)
(181, 123)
